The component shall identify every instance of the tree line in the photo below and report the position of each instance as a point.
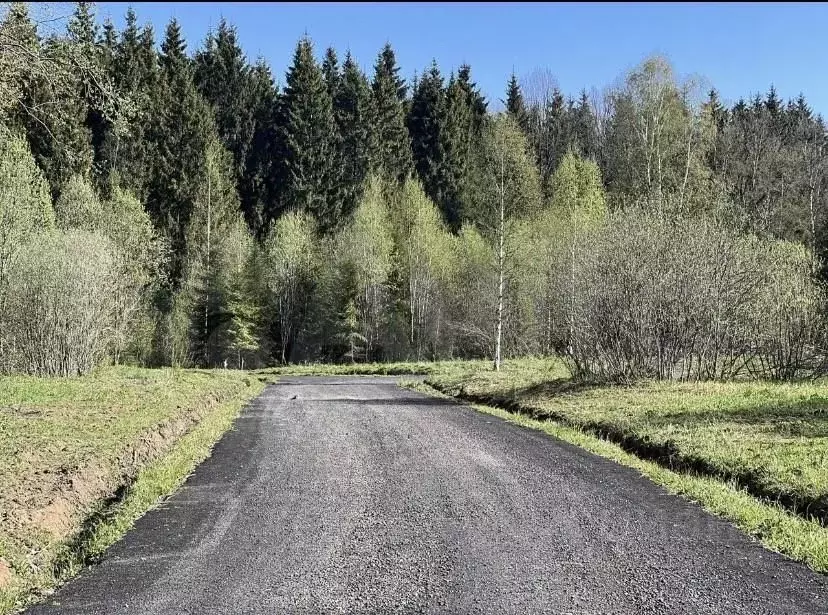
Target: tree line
(171, 208)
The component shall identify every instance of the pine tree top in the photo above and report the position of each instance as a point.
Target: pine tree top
(386, 73)
(173, 47)
(82, 27)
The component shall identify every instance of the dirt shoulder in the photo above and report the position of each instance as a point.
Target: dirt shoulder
(71, 448)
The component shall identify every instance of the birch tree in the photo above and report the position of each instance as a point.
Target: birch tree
(424, 249)
(292, 265)
(365, 254)
(578, 201)
(509, 188)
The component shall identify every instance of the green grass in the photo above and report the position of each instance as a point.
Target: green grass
(795, 537)
(753, 452)
(770, 438)
(376, 369)
(67, 445)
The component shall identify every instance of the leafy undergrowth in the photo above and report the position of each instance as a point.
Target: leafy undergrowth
(82, 458)
(804, 540)
(769, 438)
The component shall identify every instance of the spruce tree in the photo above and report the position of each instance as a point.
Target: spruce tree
(178, 137)
(475, 100)
(308, 135)
(353, 111)
(134, 72)
(83, 32)
(109, 45)
(330, 71)
(515, 105)
(332, 76)
(456, 139)
(773, 103)
(258, 190)
(392, 157)
(553, 137)
(426, 120)
(585, 128)
(226, 81)
(54, 112)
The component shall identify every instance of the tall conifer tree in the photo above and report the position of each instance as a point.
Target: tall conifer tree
(392, 156)
(353, 111)
(308, 135)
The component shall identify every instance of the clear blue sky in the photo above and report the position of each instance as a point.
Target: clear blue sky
(739, 48)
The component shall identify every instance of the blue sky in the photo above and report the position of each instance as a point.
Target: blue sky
(739, 48)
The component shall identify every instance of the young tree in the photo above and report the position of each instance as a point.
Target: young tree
(365, 261)
(242, 335)
(472, 305)
(138, 261)
(292, 265)
(509, 190)
(578, 200)
(425, 259)
(211, 255)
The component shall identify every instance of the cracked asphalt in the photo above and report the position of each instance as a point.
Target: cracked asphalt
(351, 495)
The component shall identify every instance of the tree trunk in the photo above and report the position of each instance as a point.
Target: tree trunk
(500, 260)
(207, 282)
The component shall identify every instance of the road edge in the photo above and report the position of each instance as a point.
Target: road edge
(792, 536)
(150, 485)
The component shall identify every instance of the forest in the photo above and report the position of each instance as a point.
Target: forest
(162, 206)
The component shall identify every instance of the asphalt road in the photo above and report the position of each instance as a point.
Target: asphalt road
(350, 495)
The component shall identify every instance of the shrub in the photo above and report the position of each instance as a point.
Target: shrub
(58, 317)
(688, 298)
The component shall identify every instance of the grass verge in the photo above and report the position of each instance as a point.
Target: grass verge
(769, 438)
(801, 539)
(376, 369)
(88, 456)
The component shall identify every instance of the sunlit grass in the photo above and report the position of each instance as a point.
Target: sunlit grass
(87, 437)
(801, 539)
(771, 438)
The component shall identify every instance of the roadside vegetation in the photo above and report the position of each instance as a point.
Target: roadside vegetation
(168, 208)
(377, 369)
(755, 452)
(801, 539)
(166, 204)
(82, 458)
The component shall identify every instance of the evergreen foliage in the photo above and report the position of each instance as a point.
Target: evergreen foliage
(220, 219)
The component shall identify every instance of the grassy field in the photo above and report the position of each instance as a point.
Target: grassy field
(771, 438)
(765, 440)
(67, 446)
